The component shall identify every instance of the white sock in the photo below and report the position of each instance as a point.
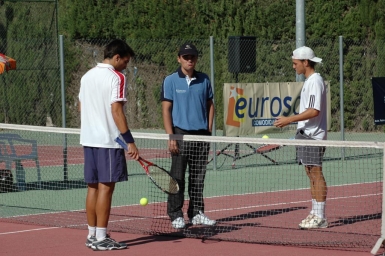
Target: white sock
(319, 209)
(91, 231)
(101, 233)
(312, 206)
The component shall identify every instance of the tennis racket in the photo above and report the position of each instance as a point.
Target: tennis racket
(159, 176)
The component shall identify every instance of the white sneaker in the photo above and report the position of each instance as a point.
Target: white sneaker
(178, 223)
(202, 219)
(315, 222)
(308, 218)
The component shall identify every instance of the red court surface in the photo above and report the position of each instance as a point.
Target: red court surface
(20, 239)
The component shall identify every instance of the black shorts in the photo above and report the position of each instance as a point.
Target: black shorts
(308, 155)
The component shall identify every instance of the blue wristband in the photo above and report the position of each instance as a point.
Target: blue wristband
(127, 136)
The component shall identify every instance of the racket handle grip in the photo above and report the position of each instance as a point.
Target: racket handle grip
(121, 143)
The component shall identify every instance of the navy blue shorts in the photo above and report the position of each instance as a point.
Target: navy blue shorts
(102, 165)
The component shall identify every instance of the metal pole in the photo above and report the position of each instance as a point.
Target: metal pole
(213, 89)
(341, 49)
(65, 166)
(300, 39)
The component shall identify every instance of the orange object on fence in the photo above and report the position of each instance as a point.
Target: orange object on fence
(6, 63)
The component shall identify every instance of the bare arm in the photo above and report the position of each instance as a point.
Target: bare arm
(282, 121)
(121, 123)
(210, 107)
(167, 122)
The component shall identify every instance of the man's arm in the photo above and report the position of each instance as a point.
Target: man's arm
(282, 121)
(121, 123)
(167, 116)
(211, 109)
(167, 122)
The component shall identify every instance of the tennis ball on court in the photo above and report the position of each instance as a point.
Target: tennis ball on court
(143, 201)
(265, 137)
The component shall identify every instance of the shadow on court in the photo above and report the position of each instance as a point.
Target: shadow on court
(354, 219)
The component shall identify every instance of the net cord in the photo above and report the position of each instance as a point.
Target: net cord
(213, 139)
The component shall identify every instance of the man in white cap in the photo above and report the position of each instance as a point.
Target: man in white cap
(312, 125)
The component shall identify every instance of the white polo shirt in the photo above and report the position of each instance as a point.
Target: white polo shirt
(99, 88)
(313, 95)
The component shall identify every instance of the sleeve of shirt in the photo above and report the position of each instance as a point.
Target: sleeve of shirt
(118, 92)
(166, 93)
(210, 91)
(315, 95)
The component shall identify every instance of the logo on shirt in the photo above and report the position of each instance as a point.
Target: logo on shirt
(180, 91)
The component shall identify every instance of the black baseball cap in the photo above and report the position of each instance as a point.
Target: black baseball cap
(188, 49)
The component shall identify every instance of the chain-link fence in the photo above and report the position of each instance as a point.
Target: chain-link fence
(28, 34)
(157, 58)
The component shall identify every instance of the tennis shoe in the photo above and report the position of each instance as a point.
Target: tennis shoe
(315, 222)
(90, 240)
(107, 244)
(308, 218)
(178, 223)
(202, 219)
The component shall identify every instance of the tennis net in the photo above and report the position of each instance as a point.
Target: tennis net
(256, 194)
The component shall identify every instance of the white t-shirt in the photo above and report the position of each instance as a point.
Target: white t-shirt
(313, 95)
(99, 88)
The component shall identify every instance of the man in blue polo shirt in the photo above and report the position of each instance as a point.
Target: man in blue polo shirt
(187, 108)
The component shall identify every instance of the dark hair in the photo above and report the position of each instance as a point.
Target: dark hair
(118, 46)
(311, 63)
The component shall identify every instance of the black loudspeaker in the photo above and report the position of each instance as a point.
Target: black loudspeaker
(242, 54)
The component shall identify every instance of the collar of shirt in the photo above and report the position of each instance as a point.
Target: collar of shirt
(105, 65)
(188, 79)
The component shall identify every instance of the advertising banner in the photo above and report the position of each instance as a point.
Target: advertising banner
(252, 107)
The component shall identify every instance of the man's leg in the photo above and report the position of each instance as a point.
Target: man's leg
(196, 185)
(318, 189)
(103, 203)
(92, 196)
(178, 171)
(197, 173)
(317, 183)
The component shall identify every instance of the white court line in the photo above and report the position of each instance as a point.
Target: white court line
(28, 230)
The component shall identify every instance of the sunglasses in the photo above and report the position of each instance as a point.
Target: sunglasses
(189, 57)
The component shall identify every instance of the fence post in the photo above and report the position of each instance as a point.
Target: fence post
(213, 132)
(65, 167)
(341, 49)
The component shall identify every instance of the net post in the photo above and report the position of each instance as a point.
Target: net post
(381, 240)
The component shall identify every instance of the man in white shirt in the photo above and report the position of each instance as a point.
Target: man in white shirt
(312, 125)
(101, 99)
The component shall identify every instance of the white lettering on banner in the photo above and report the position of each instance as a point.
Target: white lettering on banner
(263, 122)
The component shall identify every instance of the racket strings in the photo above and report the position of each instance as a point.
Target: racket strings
(163, 179)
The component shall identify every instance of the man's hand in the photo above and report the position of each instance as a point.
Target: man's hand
(281, 121)
(173, 146)
(133, 152)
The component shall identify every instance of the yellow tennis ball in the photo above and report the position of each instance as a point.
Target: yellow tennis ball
(265, 137)
(143, 201)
